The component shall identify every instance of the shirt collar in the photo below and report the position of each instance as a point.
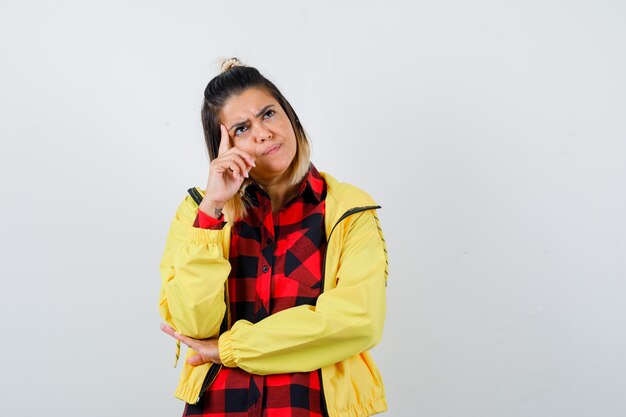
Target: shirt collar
(312, 184)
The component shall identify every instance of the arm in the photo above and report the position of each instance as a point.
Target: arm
(345, 321)
(194, 269)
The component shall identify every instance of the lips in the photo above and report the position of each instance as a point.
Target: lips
(271, 149)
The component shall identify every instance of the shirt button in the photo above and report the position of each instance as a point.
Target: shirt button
(265, 268)
(268, 241)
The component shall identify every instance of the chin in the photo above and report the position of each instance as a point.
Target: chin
(271, 170)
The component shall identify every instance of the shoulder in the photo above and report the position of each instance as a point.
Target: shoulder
(345, 194)
(188, 208)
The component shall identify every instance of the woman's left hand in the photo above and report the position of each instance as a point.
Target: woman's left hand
(207, 349)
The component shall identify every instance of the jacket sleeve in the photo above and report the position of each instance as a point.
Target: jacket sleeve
(345, 321)
(194, 268)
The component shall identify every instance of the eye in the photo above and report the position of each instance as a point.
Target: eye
(238, 130)
(269, 113)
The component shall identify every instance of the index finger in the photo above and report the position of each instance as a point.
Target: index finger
(224, 141)
(186, 340)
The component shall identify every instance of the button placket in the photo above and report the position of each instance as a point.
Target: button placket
(267, 242)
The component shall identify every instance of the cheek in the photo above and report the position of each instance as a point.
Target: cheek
(246, 147)
(294, 143)
(291, 135)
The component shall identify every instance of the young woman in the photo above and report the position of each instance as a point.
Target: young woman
(274, 276)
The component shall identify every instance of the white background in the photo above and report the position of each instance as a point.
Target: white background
(491, 132)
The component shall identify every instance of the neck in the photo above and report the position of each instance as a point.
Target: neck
(279, 191)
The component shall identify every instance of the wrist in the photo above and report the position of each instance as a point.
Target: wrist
(211, 209)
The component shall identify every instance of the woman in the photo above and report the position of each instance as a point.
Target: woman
(275, 275)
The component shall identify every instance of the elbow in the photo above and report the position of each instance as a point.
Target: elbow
(197, 323)
(374, 333)
(377, 335)
(373, 328)
(366, 334)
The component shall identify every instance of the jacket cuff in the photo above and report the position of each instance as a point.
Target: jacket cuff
(206, 236)
(227, 354)
(204, 221)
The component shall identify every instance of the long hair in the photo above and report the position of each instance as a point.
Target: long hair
(233, 80)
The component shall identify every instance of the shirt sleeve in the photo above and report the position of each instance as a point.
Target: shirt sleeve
(204, 221)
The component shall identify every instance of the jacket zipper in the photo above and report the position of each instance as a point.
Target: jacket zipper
(215, 368)
(343, 217)
(208, 379)
(197, 197)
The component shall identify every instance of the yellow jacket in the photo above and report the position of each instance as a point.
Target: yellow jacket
(334, 335)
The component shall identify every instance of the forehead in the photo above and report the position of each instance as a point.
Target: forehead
(245, 105)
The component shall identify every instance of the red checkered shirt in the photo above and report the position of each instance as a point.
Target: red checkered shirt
(276, 261)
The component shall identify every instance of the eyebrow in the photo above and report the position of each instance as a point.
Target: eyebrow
(263, 110)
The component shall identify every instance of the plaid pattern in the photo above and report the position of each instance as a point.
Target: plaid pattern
(276, 261)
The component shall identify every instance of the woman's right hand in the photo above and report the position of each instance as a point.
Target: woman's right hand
(226, 174)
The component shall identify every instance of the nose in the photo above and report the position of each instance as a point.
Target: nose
(261, 133)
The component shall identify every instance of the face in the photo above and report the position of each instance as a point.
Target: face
(258, 125)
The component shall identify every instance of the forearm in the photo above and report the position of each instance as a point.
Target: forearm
(303, 338)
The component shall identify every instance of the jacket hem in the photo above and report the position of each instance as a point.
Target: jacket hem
(375, 406)
(188, 395)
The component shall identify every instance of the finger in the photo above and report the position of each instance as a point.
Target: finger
(166, 328)
(240, 162)
(192, 343)
(224, 141)
(231, 168)
(233, 163)
(195, 360)
(186, 340)
(249, 159)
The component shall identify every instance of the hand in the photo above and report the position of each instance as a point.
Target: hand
(226, 173)
(207, 349)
